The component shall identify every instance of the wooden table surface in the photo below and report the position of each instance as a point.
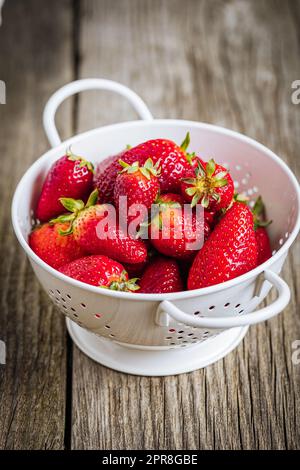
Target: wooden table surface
(225, 62)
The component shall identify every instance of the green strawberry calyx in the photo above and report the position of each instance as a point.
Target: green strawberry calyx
(74, 207)
(123, 284)
(147, 170)
(259, 214)
(76, 158)
(184, 145)
(186, 142)
(203, 187)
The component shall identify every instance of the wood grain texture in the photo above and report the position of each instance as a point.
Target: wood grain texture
(35, 58)
(225, 62)
(230, 63)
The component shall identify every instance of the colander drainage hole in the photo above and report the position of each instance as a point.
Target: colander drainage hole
(168, 337)
(63, 300)
(51, 292)
(237, 305)
(172, 330)
(58, 291)
(111, 335)
(197, 313)
(211, 307)
(98, 315)
(69, 297)
(83, 305)
(107, 326)
(227, 304)
(75, 315)
(190, 334)
(73, 309)
(241, 311)
(179, 337)
(181, 331)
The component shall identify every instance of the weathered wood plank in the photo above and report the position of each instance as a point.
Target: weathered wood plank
(230, 63)
(35, 59)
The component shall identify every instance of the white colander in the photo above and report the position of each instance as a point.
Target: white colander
(158, 334)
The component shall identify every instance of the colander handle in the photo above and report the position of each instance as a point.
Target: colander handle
(167, 308)
(82, 85)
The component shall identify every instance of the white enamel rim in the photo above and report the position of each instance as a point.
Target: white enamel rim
(156, 297)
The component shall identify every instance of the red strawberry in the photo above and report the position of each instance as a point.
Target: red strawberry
(139, 183)
(100, 271)
(105, 177)
(169, 199)
(174, 233)
(161, 276)
(262, 237)
(70, 176)
(52, 247)
(263, 245)
(174, 164)
(175, 161)
(136, 270)
(96, 230)
(209, 184)
(230, 251)
(101, 167)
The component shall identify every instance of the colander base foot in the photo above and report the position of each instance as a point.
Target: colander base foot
(155, 363)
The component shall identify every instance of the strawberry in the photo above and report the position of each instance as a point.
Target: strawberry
(208, 184)
(230, 251)
(175, 162)
(52, 247)
(263, 245)
(172, 231)
(169, 199)
(210, 217)
(101, 271)
(139, 183)
(261, 234)
(136, 270)
(96, 230)
(105, 177)
(161, 276)
(70, 176)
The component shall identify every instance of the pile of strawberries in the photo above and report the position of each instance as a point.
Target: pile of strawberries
(99, 227)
